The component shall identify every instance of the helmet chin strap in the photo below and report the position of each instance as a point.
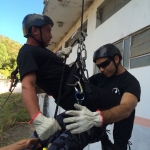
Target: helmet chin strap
(40, 42)
(116, 66)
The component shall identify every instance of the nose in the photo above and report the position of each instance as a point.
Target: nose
(101, 69)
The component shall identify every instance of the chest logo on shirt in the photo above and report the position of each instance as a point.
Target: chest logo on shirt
(116, 91)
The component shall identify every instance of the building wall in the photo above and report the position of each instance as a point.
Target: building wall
(132, 17)
(125, 22)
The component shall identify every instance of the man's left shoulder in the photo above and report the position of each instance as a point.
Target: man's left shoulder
(130, 77)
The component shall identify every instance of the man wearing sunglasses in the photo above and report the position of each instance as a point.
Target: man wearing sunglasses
(113, 76)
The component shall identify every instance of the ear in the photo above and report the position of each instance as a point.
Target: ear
(35, 31)
(116, 59)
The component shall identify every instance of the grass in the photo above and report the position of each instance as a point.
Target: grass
(13, 113)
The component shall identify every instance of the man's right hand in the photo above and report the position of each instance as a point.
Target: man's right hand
(45, 127)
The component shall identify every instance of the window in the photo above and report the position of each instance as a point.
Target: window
(70, 41)
(140, 49)
(126, 53)
(135, 49)
(119, 45)
(108, 8)
(140, 43)
(140, 61)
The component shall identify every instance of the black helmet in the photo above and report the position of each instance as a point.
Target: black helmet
(108, 50)
(34, 20)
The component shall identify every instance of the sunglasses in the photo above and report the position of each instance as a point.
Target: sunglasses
(104, 64)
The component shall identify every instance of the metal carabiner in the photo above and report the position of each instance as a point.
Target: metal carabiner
(81, 99)
(80, 91)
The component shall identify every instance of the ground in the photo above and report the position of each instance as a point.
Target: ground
(15, 133)
(13, 119)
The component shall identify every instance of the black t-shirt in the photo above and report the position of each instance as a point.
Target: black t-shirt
(120, 84)
(47, 66)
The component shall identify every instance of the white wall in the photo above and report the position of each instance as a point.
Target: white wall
(143, 75)
(131, 18)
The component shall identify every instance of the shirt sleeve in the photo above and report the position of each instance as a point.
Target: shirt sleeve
(26, 63)
(93, 79)
(132, 86)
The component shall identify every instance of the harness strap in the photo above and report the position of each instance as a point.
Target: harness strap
(129, 145)
(60, 89)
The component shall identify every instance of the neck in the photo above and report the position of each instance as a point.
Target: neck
(121, 70)
(32, 41)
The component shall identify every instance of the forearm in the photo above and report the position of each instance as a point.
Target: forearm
(30, 99)
(5, 148)
(122, 111)
(22, 144)
(115, 114)
(9, 147)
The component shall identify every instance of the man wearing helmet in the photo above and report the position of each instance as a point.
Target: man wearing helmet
(39, 66)
(41, 25)
(115, 77)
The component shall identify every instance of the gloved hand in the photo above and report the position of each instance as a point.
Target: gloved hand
(45, 127)
(83, 119)
(64, 52)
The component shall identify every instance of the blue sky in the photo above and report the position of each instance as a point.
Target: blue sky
(12, 13)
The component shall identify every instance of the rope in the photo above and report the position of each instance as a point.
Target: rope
(14, 85)
(60, 88)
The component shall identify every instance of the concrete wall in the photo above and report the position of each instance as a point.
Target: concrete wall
(131, 18)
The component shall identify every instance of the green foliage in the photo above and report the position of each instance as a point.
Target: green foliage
(6, 73)
(8, 54)
(3, 54)
(13, 111)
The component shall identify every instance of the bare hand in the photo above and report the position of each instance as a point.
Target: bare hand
(20, 145)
